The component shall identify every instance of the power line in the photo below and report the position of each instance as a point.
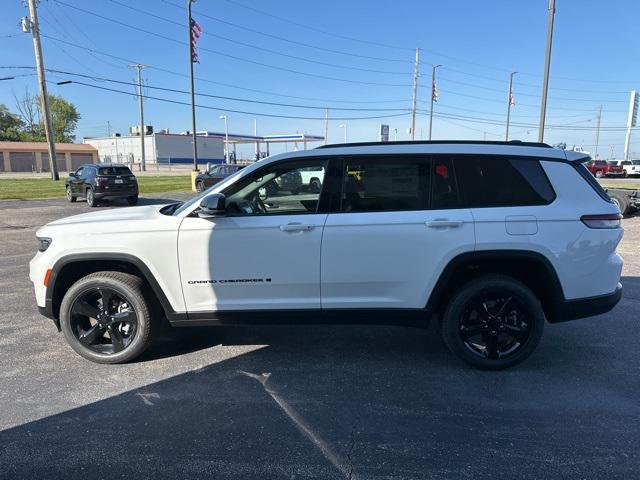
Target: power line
(222, 97)
(228, 85)
(219, 109)
(315, 29)
(274, 52)
(234, 57)
(294, 42)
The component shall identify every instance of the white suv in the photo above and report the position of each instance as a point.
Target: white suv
(492, 239)
(631, 167)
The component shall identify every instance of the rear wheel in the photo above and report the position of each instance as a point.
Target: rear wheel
(315, 185)
(105, 317)
(599, 174)
(493, 322)
(132, 200)
(91, 199)
(621, 202)
(199, 187)
(70, 196)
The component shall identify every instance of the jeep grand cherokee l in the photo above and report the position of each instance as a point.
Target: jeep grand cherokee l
(491, 239)
(101, 181)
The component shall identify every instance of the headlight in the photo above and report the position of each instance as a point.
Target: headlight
(44, 243)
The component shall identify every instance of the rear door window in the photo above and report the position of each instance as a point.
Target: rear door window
(381, 184)
(493, 181)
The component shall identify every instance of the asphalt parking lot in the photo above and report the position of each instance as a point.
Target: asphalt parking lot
(312, 402)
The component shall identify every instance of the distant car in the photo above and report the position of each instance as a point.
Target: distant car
(214, 175)
(312, 178)
(100, 181)
(630, 167)
(602, 168)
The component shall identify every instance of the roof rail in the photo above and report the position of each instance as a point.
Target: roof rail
(439, 142)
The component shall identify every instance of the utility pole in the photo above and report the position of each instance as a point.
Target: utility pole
(547, 65)
(631, 121)
(597, 156)
(255, 134)
(416, 70)
(509, 103)
(34, 27)
(108, 128)
(193, 95)
(139, 68)
(326, 125)
(433, 98)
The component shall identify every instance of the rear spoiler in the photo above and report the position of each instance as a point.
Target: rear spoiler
(577, 157)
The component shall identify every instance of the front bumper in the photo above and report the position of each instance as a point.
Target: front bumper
(587, 307)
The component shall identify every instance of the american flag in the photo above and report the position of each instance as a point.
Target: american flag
(196, 31)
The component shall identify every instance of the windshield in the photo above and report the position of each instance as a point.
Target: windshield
(189, 203)
(215, 169)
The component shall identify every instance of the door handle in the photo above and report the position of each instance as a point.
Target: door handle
(444, 223)
(296, 227)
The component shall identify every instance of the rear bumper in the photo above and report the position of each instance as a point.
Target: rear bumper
(587, 307)
(115, 193)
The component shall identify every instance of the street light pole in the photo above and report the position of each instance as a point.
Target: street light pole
(193, 95)
(509, 103)
(226, 138)
(433, 94)
(44, 96)
(416, 71)
(547, 66)
(344, 125)
(139, 67)
(597, 155)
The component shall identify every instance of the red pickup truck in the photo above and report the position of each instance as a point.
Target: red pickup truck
(601, 168)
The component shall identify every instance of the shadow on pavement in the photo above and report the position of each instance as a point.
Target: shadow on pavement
(351, 402)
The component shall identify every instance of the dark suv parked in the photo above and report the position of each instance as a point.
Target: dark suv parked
(100, 181)
(214, 175)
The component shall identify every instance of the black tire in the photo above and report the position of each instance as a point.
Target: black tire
(199, 187)
(70, 197)
(621, 201)
(122, 286)
(525, 318)
(315, 185)
(132, 200)
(91, 199)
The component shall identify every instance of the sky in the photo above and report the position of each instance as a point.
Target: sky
(355, 58)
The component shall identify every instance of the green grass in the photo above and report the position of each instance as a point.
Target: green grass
(33, 188)
(621, 185)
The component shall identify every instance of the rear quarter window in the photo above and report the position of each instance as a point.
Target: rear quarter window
(491, 181)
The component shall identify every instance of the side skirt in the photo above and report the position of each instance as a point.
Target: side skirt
(401, 317)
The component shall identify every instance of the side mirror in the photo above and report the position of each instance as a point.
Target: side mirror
(72, 174)
(212, 206)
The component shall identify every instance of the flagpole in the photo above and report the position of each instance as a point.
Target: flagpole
(193, 96)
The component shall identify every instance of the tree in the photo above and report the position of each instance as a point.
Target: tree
(10, 125)
(64, 118)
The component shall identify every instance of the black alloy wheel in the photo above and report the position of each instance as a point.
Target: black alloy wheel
(493, 322)
(494, 325)
(102, 320)
(105, 317)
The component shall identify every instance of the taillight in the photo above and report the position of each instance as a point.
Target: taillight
(609, 220)
(100, 180)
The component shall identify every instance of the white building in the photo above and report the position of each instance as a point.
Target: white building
(159, 147)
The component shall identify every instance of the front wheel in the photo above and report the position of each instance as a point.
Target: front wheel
(199, 187)
(493, 322)
(70, 197)
(105, 317)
